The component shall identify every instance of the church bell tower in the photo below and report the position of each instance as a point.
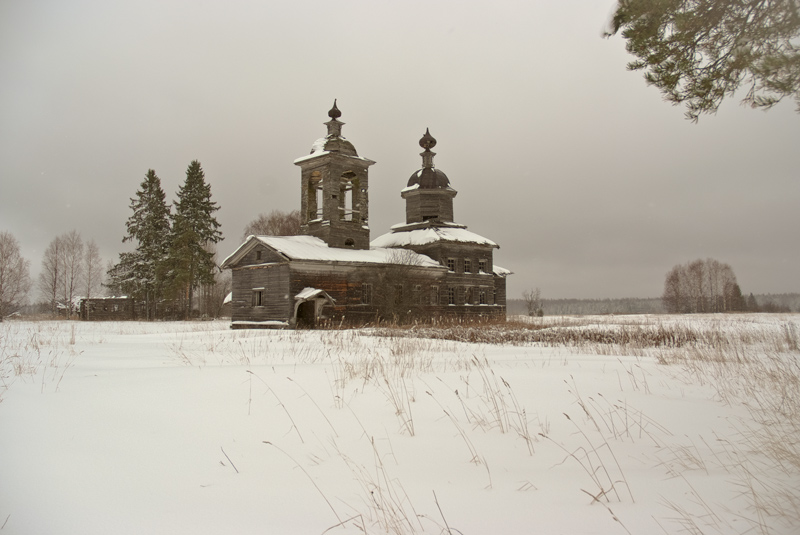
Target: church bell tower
(334, 187)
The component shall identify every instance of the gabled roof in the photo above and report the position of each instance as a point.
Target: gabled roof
(424, 236)
(308, 293)
(310, 248)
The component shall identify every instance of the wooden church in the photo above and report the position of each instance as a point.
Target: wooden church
(426, 268)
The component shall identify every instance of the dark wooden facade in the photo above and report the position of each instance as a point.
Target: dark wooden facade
(266, 294)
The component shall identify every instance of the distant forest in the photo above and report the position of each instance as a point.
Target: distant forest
(788, 302)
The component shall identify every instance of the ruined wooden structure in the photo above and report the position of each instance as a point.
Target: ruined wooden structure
(428, 267)
(107, 309)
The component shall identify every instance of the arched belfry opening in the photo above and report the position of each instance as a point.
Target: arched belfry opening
(335, 189)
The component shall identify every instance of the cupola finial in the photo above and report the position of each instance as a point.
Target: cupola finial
(334, 125)
(427, 142)
(334, 112)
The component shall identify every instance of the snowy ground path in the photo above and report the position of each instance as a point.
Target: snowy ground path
(193, 428)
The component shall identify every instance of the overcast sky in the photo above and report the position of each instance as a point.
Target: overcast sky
(589, 182)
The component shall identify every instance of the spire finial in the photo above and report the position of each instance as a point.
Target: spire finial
(334, 125)
(334, 112)
(428, 141)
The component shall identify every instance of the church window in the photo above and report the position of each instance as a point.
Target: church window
(366, 293)
(451, 295)
(417, 294)
(467, 265)
(398, 294)
(451, 264)
(258, 298)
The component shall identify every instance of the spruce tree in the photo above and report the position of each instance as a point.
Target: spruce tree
(194, 228)
(141, 273)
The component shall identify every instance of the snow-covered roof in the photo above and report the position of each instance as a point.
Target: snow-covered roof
(409, 188)
(310, 293)
(318, 149)
(319, 145)
(312, 248)
(312, 155)
(428, 235)
(501, 271)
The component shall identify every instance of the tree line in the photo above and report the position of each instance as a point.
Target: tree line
(70, 268)
(700, 286)
(172, 271)
(173, 259)
(174, 254)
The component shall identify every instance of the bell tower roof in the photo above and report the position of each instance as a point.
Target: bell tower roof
(428, 177)
(334, 141)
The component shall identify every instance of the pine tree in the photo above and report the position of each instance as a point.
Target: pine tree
(141, 273)
(194, 228)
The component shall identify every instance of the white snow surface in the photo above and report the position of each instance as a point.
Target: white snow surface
(430, 235)
(192, 428)
(313, 248)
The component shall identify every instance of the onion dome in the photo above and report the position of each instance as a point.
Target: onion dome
(428, 177)
(334, 112)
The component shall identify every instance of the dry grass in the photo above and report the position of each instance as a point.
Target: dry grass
(747, 361)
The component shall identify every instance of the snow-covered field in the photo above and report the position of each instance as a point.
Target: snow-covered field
(689, 426)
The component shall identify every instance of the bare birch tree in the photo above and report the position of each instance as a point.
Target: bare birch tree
(702, 286)
(15, 280)
(52, 274)
(72, 260)
(92, 270)
(533, 302)
(276, 223)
